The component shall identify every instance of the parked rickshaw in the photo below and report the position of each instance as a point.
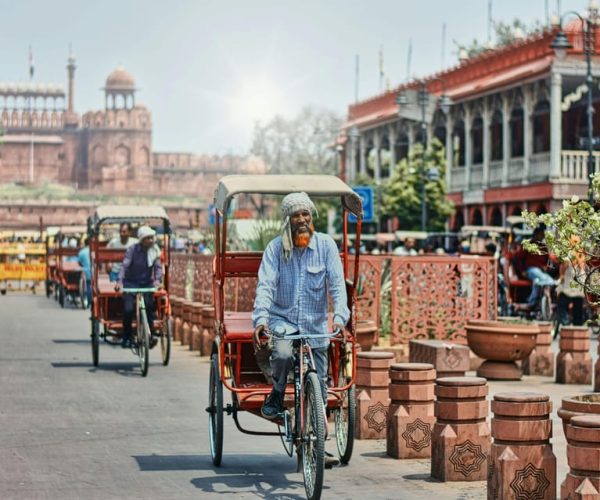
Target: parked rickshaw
(233, 363)
(107, 304)
(69, 278)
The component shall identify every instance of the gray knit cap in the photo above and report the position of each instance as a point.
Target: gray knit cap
(295, 202)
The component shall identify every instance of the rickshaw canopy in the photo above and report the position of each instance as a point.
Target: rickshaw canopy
(313, 185)
(123, 213)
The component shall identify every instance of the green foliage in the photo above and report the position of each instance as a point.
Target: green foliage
(573, 235)
(401, 194)
(264, 231)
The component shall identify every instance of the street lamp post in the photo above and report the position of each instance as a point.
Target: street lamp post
(561, 44)
(423, 100)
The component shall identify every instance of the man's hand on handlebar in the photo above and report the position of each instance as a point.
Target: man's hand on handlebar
(258, 341)
(117, 287)
(341, 329)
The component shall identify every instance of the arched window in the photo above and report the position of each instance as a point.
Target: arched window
(516, 133)
(496, 217)
(496, 135)
(541, 127)
(477, 217)
(458, 137)
(477, 140)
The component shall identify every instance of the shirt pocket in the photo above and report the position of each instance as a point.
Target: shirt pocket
(315, 277)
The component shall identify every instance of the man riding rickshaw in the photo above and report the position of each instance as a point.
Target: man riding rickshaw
(301, 323)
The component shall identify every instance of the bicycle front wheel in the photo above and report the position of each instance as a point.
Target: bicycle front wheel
(313, 438)
(143, 342)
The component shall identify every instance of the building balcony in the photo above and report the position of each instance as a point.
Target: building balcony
(573, 170)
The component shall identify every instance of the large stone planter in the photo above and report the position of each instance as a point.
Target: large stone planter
(366, 334)
(581, 404)
(501, 344)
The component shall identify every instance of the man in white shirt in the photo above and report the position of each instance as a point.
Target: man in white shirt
(124, 241)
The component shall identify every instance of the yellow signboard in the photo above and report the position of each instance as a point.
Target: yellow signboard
(23, 272)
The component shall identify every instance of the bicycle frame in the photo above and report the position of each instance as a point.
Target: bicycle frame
(140, 303)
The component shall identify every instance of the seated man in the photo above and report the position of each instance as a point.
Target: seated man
(141, 268)
(297, 270)
(124, 241)
(534, 265)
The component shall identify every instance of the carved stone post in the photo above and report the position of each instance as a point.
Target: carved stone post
(461, 437)
(541, 359)
(411, 416)
(208, 330)
(372, 380)
(176, 310)
(583, 455)
(521, 463)
(187, 323)
(448, 359)
(574, 362)
(196, 332)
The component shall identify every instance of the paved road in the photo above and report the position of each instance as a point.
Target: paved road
(69, 431)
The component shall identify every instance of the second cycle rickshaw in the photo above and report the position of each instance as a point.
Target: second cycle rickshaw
(233, 364)
(107, 304)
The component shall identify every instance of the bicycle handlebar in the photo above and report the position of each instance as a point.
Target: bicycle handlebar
(139, 290)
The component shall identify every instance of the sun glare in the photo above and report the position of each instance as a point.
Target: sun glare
(256, 100)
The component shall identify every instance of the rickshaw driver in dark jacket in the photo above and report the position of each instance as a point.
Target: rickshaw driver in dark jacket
(298, 268)
(141, 268)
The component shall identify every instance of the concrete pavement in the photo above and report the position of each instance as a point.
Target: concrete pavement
(70, 431)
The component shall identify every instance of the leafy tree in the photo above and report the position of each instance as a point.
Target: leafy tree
(402, 192)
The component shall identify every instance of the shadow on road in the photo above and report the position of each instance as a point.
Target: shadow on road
(124, 369)
(71, 341)
(263, 475)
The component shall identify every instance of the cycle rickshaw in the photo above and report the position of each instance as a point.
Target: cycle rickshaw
(107, 308)
(233, 363)
(69, 279)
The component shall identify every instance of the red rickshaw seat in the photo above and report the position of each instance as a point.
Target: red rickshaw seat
(237, 326)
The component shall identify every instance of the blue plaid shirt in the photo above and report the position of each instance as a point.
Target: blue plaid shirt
(293, 295)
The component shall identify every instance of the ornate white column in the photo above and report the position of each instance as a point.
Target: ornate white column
(486, 118)
(468, 148)
(506, 114)
(527, 132)
(392, 142)
(363, 159)
(555, 123)
(449, 149)
(377, 147)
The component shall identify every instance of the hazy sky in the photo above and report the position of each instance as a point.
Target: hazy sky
(208, 69)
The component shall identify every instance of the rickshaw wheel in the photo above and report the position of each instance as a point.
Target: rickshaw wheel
(83, 300)
(313, 438)
(215, 411)
(165, 341)
(345, 417)
(143, 342)
(48, 289)
(545, 308)
(61, 296)
(95, 342)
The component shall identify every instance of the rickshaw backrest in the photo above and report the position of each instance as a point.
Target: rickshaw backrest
(242, 264)
(109, 254)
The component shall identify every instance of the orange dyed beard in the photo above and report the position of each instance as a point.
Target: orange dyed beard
(301, 240)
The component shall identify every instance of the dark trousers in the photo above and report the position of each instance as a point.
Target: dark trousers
(129, 312)
(563, 309)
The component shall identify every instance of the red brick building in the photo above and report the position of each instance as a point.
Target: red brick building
(45, 140)
(512, 135)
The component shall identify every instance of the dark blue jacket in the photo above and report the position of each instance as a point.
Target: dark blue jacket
(135, 272)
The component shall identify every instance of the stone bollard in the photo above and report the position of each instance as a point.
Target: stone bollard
(574, 362)
(208, 330)
(521, 462)
(541, 359)
(372, 380)
(410, 416)
(176, 307)
(583, 455)
(448, 359)
(461, 437)
(196, 332)
(187, 322)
